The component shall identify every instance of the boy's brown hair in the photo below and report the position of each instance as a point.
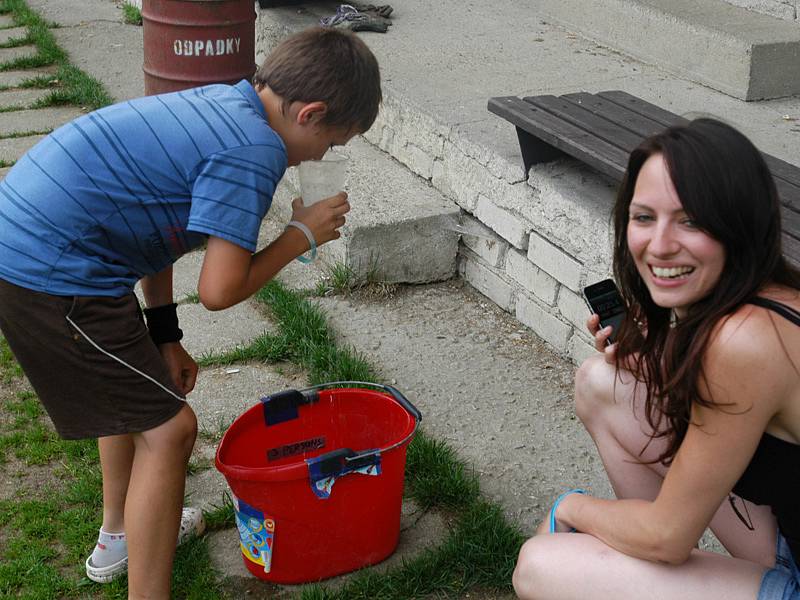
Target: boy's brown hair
(329, 65)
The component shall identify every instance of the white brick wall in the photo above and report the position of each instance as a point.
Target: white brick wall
(551, 329)
(491, 248)
(530, 277)
(579, 350)
(488, 282)
(572, 306)
(508, 225)
(554, 261)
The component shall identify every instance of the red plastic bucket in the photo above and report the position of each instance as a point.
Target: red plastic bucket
(317, 478)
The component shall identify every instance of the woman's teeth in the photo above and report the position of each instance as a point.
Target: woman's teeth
(671, 272)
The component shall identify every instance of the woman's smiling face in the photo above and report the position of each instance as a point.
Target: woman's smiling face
(679, 263)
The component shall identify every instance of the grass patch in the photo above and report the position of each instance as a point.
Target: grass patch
(74, 86)
(7, 163)
(303, 338)
(192, 298)
(342, 279)
(131, 14)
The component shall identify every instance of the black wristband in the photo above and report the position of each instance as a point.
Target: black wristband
(162, 323)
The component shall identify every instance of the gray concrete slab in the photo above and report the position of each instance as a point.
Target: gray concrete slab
(223, 393)
(38, 120)
(446, 59)
(11, 149)
(15, 78)
(748, 55)
(21, 98)
(13, 33)
(67, 13)
(8, 55)
(396, 228)
(110, 52)
(3, 172)
(6, 21)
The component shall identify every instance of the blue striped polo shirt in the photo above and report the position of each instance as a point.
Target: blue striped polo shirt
(124, 191)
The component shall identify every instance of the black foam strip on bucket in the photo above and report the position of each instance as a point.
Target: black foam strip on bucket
(281, 406)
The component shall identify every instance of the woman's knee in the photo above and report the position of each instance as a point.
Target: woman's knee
(532, 569)
(594, 388)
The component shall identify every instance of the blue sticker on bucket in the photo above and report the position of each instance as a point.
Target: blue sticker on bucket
(256, 534)
(322, 477)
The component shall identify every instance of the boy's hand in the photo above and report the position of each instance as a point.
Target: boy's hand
(324, 218)
(181, 366)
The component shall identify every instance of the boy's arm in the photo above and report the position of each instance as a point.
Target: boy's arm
(231, 273)
(157, 291)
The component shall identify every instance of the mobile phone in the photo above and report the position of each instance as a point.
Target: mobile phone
(605, 300)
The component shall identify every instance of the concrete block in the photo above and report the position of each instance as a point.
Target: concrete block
(548, 327)
(416, 159)
(6, 21)
(579, 349)
(12, 149)
(15, 78)
(13, 33)
(38, 120)
(8, 55)
(510, 226)
(573, 308)
(781, 9)
(463, 177)
(21, 98)
(488, 282)
(555, 261)
(3, 172)
(530, 277)
(748, 55)
(486, 243)
(399, 229)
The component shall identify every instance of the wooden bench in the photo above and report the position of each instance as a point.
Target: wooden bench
(602, 129)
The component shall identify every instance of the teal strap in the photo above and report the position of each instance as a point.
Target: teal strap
(312, 243)
(555, 506)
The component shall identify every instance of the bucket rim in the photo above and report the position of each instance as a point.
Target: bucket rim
(299, 469)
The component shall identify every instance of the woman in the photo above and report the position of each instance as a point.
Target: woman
(695, 410)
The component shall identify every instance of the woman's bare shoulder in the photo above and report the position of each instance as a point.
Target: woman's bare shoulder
(757, 336)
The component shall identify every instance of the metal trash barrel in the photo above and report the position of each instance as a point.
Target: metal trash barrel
(188, 43)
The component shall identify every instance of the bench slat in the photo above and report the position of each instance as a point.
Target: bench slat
(623, 116)
(780, 169)
(594, 124)
(561, 135)
(644, 108)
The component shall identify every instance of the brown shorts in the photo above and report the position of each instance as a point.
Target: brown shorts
(86, 392)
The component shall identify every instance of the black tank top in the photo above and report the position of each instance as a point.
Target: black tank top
(773, 475)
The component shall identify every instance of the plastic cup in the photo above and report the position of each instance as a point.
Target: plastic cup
(320, 179)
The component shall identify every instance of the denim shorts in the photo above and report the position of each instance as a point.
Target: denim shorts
(782, 582)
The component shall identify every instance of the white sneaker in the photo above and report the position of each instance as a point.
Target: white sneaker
(192, 524)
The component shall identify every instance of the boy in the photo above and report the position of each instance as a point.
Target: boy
(116, 197)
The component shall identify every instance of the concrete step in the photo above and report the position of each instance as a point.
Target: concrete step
(399, 227)
(11, 149)
(38, 120)
(22, 98)
(12, 33)
(8, 55)
(749, 55)
(15, 78)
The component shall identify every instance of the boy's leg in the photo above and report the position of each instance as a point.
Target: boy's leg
(116, 459)
(154, 501)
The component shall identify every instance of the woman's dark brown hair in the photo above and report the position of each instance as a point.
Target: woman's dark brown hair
(726, 188)
(329, 65)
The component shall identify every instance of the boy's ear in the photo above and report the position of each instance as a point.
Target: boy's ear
(311, 113)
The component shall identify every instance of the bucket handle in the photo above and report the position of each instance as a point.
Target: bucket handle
(395, 393)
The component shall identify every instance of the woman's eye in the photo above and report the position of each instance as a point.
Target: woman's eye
(690, 224)
(641, 218)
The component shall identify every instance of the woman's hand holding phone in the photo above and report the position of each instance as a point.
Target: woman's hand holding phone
(601, 336)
